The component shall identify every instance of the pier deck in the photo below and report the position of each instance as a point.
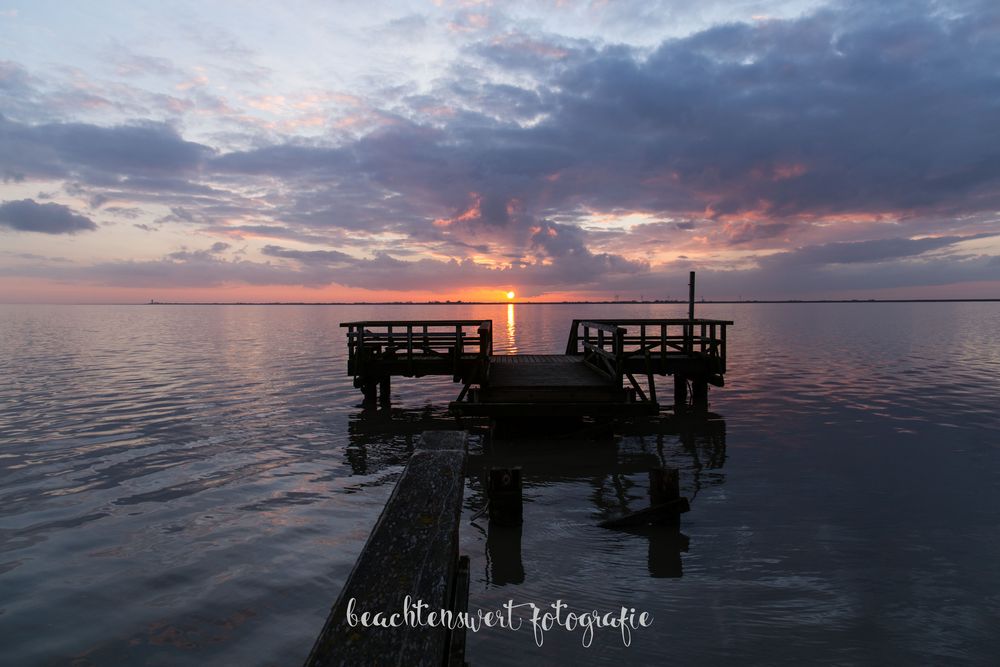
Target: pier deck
(547, 385)
(608, 368)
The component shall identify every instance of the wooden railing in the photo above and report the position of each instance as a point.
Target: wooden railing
(625, 348)
(604, 349)
(413, 341)
(647, 337)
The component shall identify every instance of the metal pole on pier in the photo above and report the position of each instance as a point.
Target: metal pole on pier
(691, 297)
(680, 380)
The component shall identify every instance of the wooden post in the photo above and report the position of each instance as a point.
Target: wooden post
(680, 390)
(485, 341)
(664, 485)
(664, 555)
(385, 389)
(504, 492)
(699, 391)
(369, 387)
(689, 328)
(722, 351)
(503, 547)
(572, 344)
(664, 488)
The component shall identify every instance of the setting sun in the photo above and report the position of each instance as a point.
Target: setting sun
(510, 295)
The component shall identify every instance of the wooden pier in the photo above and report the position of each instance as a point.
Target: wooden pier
(608, 368)
(411, 555)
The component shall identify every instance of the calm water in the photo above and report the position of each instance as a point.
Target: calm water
(191, 485)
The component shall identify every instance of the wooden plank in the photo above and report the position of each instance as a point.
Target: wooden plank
(573, 374)
(534, 359)
(412, 550)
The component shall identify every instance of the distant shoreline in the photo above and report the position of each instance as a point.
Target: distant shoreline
(498, 303)
(540, 303)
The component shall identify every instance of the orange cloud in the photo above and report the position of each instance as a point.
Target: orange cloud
(474, 212)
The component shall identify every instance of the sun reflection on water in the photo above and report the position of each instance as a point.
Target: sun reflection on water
(511, 330)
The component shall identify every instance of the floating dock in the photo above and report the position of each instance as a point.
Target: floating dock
(608, 369)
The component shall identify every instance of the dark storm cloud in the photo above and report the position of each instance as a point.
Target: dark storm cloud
(383, 271)
(838, 111)
(498, 100)
(27, 215)
(825, 269)
(67, 150)
(596, 273)
(809, 281)
(858, 252)
(744, 133)
(320, 257)
(855, 109)
(123, 149)
(198, 270)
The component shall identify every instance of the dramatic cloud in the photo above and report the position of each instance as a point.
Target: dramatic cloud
(864, 251)
(97, 154)
(28, 216)
(551, 148)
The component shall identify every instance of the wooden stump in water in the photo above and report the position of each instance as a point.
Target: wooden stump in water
(504, 492)
(664, 485)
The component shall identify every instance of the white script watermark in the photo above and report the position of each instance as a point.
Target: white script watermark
(509, 616)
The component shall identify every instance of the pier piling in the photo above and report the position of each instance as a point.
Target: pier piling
(664, 485)
(680, 390)
(504, 492)
(699, 392)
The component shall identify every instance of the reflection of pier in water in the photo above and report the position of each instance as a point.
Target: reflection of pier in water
(443, 486)
(614, 469)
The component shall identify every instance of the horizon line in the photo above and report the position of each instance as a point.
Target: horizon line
(153, 302)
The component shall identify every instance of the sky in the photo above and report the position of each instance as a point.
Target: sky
(418, 150)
